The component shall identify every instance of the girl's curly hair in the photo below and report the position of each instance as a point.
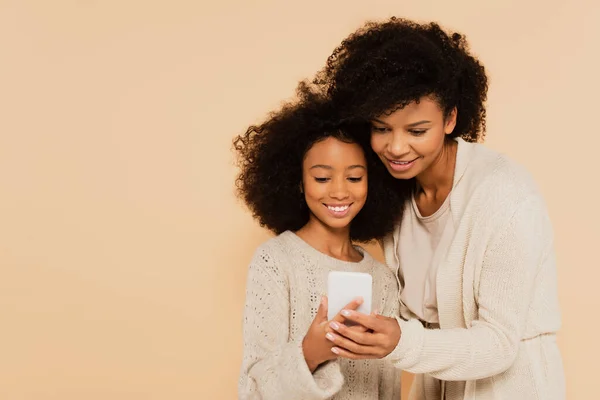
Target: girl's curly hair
(270, 158)
(385, 66)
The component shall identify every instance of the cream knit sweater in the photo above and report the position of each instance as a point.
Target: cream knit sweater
(496, 292)
(286, 280)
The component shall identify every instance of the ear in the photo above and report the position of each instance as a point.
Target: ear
(450, 121)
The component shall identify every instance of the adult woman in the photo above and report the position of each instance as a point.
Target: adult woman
(310, 182)
(474, 251)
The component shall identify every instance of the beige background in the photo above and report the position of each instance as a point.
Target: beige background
(122, 249)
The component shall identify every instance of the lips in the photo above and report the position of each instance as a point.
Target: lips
(400, 162)
(401, 165)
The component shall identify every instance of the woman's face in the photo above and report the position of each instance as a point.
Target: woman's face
(409, 140)
(334, 178)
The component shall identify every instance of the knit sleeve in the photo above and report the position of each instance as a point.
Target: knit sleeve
(272, 367)
(489, 346)
(389, 377)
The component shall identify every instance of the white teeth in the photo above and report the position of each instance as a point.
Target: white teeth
(338, 209)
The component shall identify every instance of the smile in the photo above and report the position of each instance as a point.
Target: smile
(401, 166)
(339, 210)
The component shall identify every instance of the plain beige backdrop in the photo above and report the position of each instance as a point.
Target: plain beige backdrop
(123, 251)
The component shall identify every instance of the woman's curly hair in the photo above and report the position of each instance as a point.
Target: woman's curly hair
(270, 158)
(385, 66)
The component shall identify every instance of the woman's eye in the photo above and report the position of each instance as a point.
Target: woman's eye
(358, 179)
(417, 132)
(321, 180)
(378, 129)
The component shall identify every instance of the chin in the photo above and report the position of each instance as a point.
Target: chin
(338, 224)
(403, 175)
(335, 224)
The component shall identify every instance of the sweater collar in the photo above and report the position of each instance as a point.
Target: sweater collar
(463, 157)
(458, 200)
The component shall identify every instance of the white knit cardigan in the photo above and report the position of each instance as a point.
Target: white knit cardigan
(497, 292)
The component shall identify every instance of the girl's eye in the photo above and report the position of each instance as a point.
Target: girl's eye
(321, 180)
(355, 179)
(417, 132)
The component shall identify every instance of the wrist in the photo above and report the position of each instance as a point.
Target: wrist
(310, 360)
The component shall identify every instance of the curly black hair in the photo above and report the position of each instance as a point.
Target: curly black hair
(270, 158)
(384, 66)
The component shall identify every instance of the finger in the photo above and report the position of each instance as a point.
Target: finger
(362, 338)
(358, 328)
(354, 327)
(353, 347)
(368, 321)
(353, 305)
(346, 354)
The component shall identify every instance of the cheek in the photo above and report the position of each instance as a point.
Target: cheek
(377, 143)
(313, 191)
(433, 142)
(360, 191)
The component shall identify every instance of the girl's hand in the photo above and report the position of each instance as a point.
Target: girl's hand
(315, 345)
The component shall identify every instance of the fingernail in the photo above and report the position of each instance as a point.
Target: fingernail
(322, 300)
(334, 326)
(345, 313)
(335, 350)
(330, 337)
(359, 300)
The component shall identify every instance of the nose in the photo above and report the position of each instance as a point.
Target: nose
(398, 146)
(338, 190)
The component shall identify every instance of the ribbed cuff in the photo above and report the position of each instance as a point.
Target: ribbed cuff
(323, 384)
(409, 348)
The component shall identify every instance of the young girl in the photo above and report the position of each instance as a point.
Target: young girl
(309, 181)
(474, 252)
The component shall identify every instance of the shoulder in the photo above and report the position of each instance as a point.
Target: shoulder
(268, 273)
(272, 246)
(271, 256)
(377, 265)
(495, 181)
(378, 269)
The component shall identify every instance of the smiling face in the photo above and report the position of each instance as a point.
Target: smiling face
(334, 178)
(410, 140)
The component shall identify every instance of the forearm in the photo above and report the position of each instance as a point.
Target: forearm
(286, 375)
(454, 354)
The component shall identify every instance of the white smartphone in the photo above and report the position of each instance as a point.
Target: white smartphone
(343, 287)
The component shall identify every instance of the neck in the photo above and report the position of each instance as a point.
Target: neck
(334, 242)
(438, 178)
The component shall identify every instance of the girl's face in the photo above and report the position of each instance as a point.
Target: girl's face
(334, 178)
(410, 140)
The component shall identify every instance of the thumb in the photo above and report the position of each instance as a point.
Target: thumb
(322, 311)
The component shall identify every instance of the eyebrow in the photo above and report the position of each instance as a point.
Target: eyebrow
(408, 126)
(329, 167)
(357, 166)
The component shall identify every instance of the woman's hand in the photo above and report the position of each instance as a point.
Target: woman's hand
(378, 338)
(315, 345)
